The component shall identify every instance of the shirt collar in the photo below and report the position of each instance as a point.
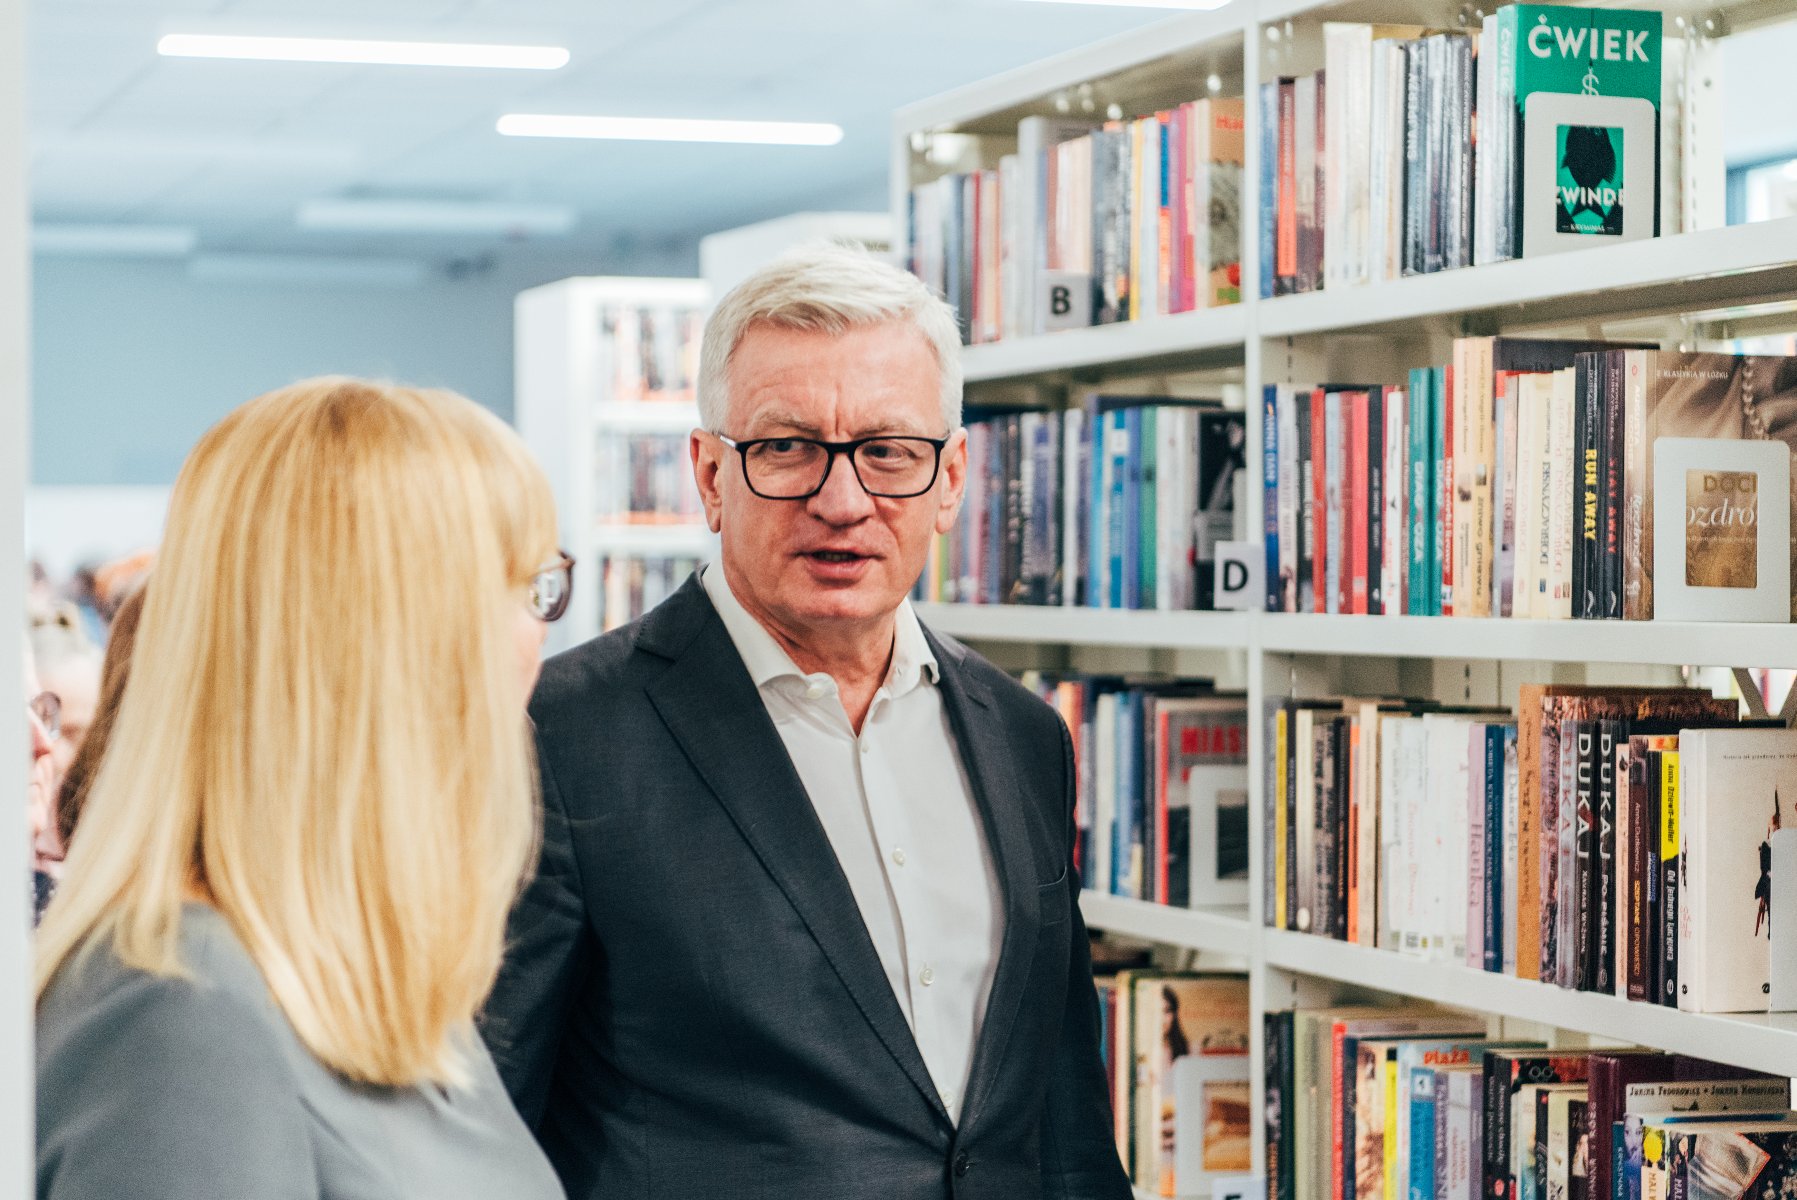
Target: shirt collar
(768, 661)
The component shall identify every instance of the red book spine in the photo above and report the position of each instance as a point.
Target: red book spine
(1354, 489)
(1286, 227)
(1319, 457)
(1164, 753)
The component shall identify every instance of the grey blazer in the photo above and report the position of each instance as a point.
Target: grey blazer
(197, 1088)
(692, 1008)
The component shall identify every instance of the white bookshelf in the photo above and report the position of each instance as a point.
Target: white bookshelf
(565, 408)
(1678, 289)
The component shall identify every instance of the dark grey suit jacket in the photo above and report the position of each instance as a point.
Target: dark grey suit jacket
(691, 1005)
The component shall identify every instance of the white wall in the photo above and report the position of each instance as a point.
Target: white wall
(133, 360)
(16, 1092)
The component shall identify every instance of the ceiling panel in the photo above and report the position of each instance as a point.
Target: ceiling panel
(233, 148)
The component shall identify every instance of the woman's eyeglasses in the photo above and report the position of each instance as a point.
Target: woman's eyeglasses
(551, 588)
(47, 708)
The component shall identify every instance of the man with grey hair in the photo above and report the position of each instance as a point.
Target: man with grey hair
(804, 923)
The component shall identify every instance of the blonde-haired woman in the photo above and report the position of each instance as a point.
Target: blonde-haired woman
(260, 977)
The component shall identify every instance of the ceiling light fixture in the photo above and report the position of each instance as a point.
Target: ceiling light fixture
(668, 129)
(376, 215)
(306, 269)
(122, 241)
(1188, 5)
(363, 52)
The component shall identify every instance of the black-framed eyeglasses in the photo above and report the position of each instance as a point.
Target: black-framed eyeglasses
(551, 588)
(47, 708)
(795, 468)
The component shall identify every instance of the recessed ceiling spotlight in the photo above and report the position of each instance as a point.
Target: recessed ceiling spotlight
(363, 52)
(670, 129)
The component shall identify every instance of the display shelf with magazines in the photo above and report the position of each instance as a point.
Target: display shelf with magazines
(605, 398)
(1478, 331)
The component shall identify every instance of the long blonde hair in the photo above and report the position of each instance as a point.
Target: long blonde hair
(324, 728)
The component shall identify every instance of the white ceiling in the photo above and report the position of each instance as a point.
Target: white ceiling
(232, 148)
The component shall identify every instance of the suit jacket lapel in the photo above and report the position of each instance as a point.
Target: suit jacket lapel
(712, 708)
(986, 753)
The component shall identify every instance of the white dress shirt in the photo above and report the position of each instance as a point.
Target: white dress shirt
(898, 809)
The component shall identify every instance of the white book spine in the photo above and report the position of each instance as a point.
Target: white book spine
(1560, 454)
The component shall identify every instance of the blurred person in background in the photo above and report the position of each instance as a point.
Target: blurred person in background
(41, 720)
(316, 804)
(115, 671)
(68, 663)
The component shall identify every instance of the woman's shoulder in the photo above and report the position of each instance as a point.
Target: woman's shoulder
(217, 1005)
(194, 1066)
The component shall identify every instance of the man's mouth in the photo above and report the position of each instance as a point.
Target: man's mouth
(836, 556)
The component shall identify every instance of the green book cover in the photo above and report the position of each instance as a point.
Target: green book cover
(1585, 144)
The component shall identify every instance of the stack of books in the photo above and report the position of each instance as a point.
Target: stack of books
(1418, 1104)
(1528, 478)
(649, 354)
(1118, 503)
(1162, 805)
(1612, 840)
(645, 479)
(1177, 1048)
(1416, 150)
(1130, 219)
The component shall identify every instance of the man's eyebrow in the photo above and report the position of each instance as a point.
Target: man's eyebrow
(785, 421)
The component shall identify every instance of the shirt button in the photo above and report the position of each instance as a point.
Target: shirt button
(898, 858)
(866, 749)
(963, 1164)
(814, 690)
(927, 976)
(948, 1099)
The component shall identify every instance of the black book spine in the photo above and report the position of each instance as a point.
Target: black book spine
(1603, 916)
(1325, 829)
(1307, 509)
(1493, 950)
(1416, 191)
(1656, 888)
(1375, 500)
(1587, 419)
(1011, 570)
(1639, 880)
(1343, 731)
(1611, 472)
(1584, 799)
(1292, 760)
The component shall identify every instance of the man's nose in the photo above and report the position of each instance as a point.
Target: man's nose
(40, 737)
(842, 499)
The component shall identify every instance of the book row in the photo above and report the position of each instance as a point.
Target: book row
(648, 354)
(630, 585)
(1176, 1045)
(1418, 1104)
(1087, 224)
(1162, 804)
(1417, 150)
(1541, 479)
(1606, 840)
(644, 479)
(1118, 503)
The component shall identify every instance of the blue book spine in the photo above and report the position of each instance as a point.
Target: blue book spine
(1133, 500)
(1269, 173)
(1422, 496)
(992, 569)
(1422, 1134)
(1098, 502)
(1494, 847)
(1117, 441)
(1123, 830)
(1269, 513)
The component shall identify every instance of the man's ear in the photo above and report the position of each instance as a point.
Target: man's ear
(953, 482)
(708, 456)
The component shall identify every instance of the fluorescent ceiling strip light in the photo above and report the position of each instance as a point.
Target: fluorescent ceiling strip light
(124, 241)
(670, 129)
(306, 269)
(359, 51)
(433, 216)
(1188, 5)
